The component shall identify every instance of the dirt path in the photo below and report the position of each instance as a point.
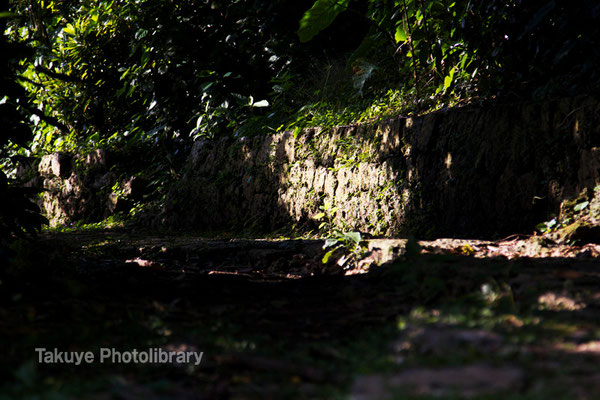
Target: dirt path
(447, 318)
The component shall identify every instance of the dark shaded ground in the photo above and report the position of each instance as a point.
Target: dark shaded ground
(450, 321)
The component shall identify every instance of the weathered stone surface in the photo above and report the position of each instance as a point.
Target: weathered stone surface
(381, 251)
(56, 164)
(98, 158)
(85, 193)
(477, 170)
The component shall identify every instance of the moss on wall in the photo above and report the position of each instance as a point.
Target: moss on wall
(477, 170)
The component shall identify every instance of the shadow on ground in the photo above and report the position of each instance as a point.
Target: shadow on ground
(273, 322)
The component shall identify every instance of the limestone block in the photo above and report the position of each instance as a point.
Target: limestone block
(330, 184)
(390, 137)
(285, 147)
(55, 164)
(97, 158)
(50, 205)
(362, 176)
(53, 184)
(319, 182)
(308, 176)
(295, 176)
(343, 183)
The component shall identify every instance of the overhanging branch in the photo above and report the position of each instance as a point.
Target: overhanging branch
(57, 75)
(49, 119)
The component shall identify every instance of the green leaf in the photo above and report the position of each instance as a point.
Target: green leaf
(448, 79)
(447, 82)
(328, 255)
(401, 34)
(319, 17)
(581, 206)
(262, 103)
(94, 138)
(297, 131)
(353, 236)
(319, 215)
(69, 29)
(330, 242)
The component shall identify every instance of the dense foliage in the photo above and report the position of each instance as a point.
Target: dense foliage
(152, 69)
(108, 71)
(19, 215)
(155, 74)
(455, 50)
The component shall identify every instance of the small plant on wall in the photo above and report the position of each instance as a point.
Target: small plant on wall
(345, 243)
(327, 218)
(349, 242)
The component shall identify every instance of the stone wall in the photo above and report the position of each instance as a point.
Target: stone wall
(82, 188)
(473, 171)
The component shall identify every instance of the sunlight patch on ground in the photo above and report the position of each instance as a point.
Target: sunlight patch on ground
(554, 302)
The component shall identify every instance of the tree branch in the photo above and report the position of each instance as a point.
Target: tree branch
(34, 83)
(57, 75)
(48, 119)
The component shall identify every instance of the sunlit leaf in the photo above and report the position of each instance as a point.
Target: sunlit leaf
(69, 29)
(581, 206)
(401, 34)
(319, 17)
(353, 236)
(449, 78)
(330, 242)
(262, 103)
(328, 255)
